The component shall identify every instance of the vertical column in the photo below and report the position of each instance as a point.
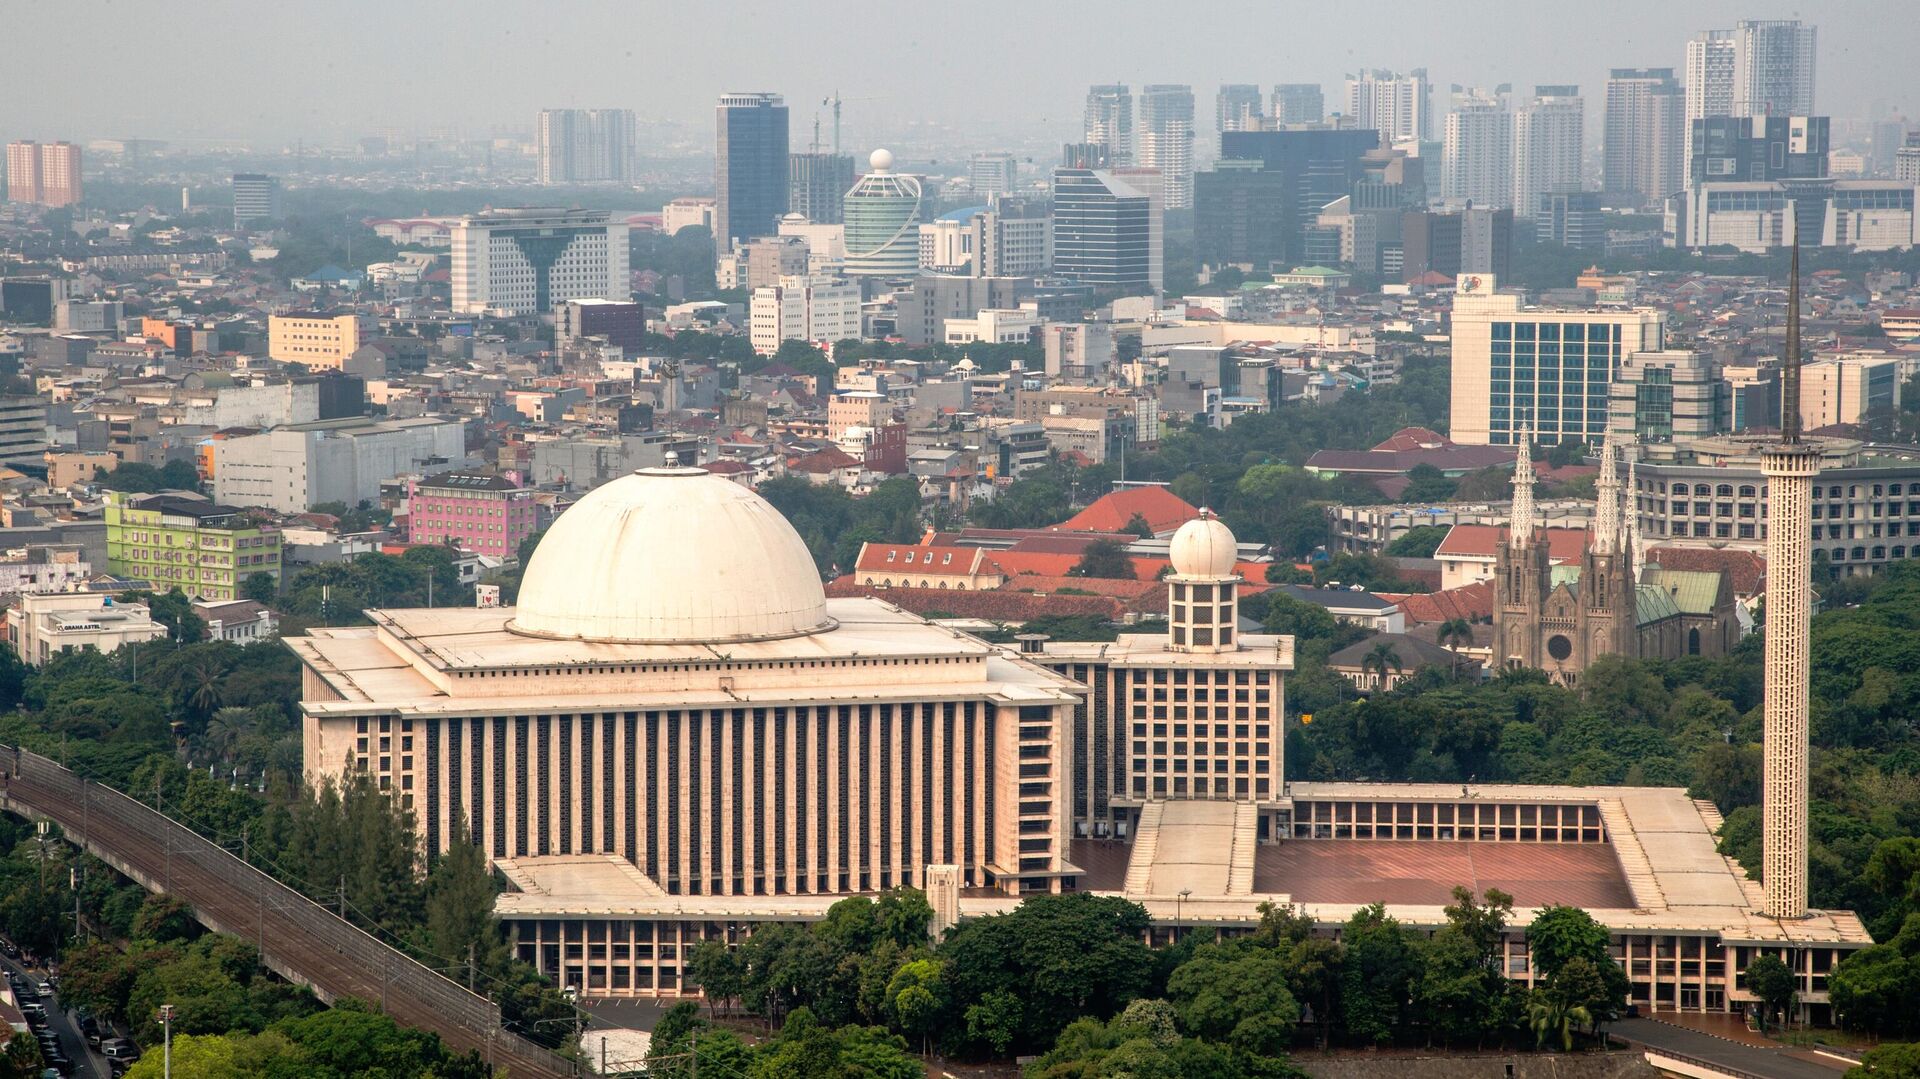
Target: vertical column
(829, 796)
(729, 858)
(1789, 470)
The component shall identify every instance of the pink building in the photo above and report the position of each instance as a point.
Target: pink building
(477, 511)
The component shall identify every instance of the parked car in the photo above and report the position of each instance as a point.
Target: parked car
(44, 990)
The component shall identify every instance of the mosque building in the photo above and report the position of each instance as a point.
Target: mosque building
(675, 736)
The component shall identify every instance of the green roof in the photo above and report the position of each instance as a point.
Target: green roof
(1692, 591)
(1653, 604)
(1316, 271)
(1568, 574)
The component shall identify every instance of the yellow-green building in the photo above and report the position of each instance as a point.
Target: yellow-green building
(207, 551)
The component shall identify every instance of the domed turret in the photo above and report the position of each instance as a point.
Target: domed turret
(1203, 547)
(880, 160)
(670, 555)
(1203, 594)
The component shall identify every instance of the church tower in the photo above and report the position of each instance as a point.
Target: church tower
(1790, 466)
(1522, 571)
(1609, 615)
(1203, 591)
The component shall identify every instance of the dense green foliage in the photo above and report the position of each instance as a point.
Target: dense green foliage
(136, 478)
(835, 525)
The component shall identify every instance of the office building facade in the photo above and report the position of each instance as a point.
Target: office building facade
(1241, 215)
(1669, 395)
(23, 430)
(1317, 166)
(1547, 370)
(1759, 68)
(318, 340)
(752, 172)
(44, 173)
(1570, 219)
(581, 146)
(993, 172)
(1457, 243)
(816, 185)
(256, 198)
(820, 310)
(523, 261)
(881, 213)
(1643, 152)
(1103, 230)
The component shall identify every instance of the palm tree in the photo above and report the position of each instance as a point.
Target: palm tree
(1551, 1017)
(225, 730)
(1380, 661)
(1454, 633)
(204, 689)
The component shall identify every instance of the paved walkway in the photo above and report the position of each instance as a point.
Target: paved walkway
(1737, 1058)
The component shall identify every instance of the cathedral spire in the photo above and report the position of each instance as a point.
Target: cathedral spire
(1520, 530)
(1790, 370)
(1606, 500)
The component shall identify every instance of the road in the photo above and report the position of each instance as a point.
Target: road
(1736, 1058)
(86, 1062)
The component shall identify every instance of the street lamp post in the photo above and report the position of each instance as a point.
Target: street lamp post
(166, 1026)
(1179, 904)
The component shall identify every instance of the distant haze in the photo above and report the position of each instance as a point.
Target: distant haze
(329, 72)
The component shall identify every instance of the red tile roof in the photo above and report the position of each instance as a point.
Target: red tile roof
(1479, 541)
(1414, 438)
(1471, 602)
(1164, 511)
(1746, 570)
(996, 606)
(916, 558)
(830, 459)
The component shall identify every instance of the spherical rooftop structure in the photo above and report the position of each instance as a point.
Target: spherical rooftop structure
(880, 160)
(671, 556)
(1203, 547)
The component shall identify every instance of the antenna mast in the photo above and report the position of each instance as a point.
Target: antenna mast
(1790, 375)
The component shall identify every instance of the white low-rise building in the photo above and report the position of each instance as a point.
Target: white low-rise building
(43, 626)
(994, 326)
(293, 468)
(239, 621)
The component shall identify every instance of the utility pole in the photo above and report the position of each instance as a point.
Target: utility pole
(343, 897)
(471, 945)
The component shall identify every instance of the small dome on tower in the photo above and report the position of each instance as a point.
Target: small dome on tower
(880, 160)
(1203, 547)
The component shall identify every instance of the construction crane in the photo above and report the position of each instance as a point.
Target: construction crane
(834, 101)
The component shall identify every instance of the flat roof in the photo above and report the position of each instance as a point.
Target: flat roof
(1658, 872)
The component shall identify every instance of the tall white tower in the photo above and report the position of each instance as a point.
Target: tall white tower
(1203, 592)
(1790, 466)
(1606, 502)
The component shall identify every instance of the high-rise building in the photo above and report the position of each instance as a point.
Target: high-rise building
(1110, 121)
(1906, 160)
(1317, 165)
(1759, 68)
(1166, 141)
(1009, 237)
(1477, 163)
(1773, 63)
(622, 323)
(1549, 369)
(1549, 133)
(1790, 467)
(43, 173)
(523, 261)
(1642, 159)
(817, 184)
(1398, 106)
(882, 217)
(1473, 240)
(1570, 219)
(1103, 229)
(1236, 107)
(256, 197)
(993, 172)
(751, 169)
(1298, 103)
(1241, 214)
(577, 146)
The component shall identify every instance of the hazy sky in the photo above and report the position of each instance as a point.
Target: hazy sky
(336, 69)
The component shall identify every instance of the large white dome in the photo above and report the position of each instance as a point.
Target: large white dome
(671, 555)
(1203, 547)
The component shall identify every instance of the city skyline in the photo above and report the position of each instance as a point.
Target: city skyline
(952, 94)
